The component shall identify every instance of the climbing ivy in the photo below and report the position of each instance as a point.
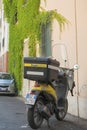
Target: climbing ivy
(25, 20)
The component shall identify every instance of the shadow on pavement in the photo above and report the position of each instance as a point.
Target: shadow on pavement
(66, 124)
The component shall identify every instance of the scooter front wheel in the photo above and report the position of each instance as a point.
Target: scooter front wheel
(34, 117)
(62, 110)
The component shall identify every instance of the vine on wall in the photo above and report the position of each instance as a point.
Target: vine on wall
(25, 20)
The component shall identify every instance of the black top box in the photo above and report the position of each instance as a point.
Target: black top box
(40, 68)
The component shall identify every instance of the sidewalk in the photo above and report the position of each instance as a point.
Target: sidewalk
(76, 120)
(70, 122)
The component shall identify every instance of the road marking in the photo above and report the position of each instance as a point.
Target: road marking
(24, 126)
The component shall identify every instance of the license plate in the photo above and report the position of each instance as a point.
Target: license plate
(30, 99)
(2, 89)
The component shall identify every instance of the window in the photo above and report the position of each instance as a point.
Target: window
(5, 76)
(46, 40)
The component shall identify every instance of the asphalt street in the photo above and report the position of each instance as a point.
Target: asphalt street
(13, 116)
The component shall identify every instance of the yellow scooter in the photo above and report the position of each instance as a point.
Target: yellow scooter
(48, 96)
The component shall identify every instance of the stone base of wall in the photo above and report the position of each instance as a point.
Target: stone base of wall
(72, 105)
(77, 107)
(83, 107)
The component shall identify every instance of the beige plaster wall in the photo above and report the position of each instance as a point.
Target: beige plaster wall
(82, 48)
(75, 38)
(82, 45)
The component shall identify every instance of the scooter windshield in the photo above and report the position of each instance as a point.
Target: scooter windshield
(59, 52)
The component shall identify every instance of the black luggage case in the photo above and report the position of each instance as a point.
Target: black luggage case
(40, 68)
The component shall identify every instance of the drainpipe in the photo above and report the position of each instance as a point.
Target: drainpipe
(76, 38)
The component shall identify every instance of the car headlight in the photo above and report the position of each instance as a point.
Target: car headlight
(11, 87)
(11, 83)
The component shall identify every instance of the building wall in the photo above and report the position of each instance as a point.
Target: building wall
(82, 48)
(4, 62)
(4, 37)
(74, 36)
(27, 84)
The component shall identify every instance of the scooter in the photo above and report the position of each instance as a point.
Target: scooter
(47, 97)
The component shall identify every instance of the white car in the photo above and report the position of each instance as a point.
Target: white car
(7, 84)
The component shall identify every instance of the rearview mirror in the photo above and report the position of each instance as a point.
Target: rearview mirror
(76, 67)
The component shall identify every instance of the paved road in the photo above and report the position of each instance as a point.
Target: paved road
(13, 117)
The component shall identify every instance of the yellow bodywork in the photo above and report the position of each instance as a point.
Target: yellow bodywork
(47, 88)
(35, 65)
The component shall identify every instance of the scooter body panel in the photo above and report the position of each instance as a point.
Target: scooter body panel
(46, 88)
(32, 96)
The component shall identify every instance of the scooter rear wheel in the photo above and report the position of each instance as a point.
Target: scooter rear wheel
(34, 117)
(61, 113)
